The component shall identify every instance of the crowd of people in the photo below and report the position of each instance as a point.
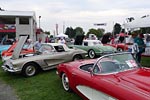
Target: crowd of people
(37, 44)
(135, 42)
(136, 45)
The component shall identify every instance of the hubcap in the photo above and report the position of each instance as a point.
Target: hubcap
(91, 54)
(65, 82)
(30, 70)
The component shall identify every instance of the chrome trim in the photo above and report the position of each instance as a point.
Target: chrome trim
(118, 53)
(10, 70)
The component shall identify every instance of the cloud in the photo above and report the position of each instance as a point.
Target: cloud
(82, 13)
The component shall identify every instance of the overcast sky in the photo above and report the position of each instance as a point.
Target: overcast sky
(83, 13)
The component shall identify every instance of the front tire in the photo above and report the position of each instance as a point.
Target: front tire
(65, 82)
(29, 69)
(91, 54)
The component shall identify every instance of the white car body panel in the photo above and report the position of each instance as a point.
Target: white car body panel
(93, 94)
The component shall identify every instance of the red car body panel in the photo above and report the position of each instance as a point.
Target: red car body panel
(123, 46)
(10, 50)
(128, 85)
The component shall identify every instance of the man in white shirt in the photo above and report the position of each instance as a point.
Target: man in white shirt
(62, 41)
(131, 45)
(37, 44)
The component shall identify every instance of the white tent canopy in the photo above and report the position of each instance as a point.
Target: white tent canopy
(62, 35)
(138, 23)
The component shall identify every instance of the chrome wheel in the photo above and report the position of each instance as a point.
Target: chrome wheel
(91, 54)
(65, 82)
(29, 70)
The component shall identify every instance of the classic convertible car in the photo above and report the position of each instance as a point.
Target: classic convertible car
(111, 77)
(119, 46)
(48, 56)
(94, 48)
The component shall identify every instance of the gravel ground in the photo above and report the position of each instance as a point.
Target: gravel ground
(6, 92)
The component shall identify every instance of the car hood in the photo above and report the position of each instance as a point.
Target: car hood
(140, 79)
(18, 47)
(137, 81)
(106, 48)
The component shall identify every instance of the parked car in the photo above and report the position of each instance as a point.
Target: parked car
(94, 48)
(3, 48)
(48, 56)
(111, 77)
(5, 44)
(119, 46)
(6, 54)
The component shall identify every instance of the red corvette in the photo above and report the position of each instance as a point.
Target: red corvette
(111, 77)
(8, 53)
(119, 46)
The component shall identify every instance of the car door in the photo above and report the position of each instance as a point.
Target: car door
(101, 87)
(89, 84)
(83, 80)
(57, 56)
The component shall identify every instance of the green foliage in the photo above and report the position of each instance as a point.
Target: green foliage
(79, 31)
(98, 32)
(70, 32)
(51, 36)
(47, 32)
(145, 30)
(117, 28)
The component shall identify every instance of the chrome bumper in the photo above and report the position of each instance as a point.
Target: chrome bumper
(8, 69)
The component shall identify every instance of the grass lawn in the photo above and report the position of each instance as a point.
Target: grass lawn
(44, 86)
(145, 61)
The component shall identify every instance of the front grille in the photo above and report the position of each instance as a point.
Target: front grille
(7, 67)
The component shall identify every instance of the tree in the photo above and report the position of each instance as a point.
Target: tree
(98, 32)
(47, 32)
(79, 31)
(106, 38)
(117, 29)
(79, 35)
(70, 32)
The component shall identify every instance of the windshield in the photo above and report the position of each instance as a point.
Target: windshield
(115, 63)
(96, 43)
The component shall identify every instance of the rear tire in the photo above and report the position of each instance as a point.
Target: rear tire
(77, 57)
(29, 69)
(65, 82)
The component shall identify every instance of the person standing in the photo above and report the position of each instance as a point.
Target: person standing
(28, 44)
(62, 40)
(141, 46)
(130, 42)
(132, 45)
(37, 44)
